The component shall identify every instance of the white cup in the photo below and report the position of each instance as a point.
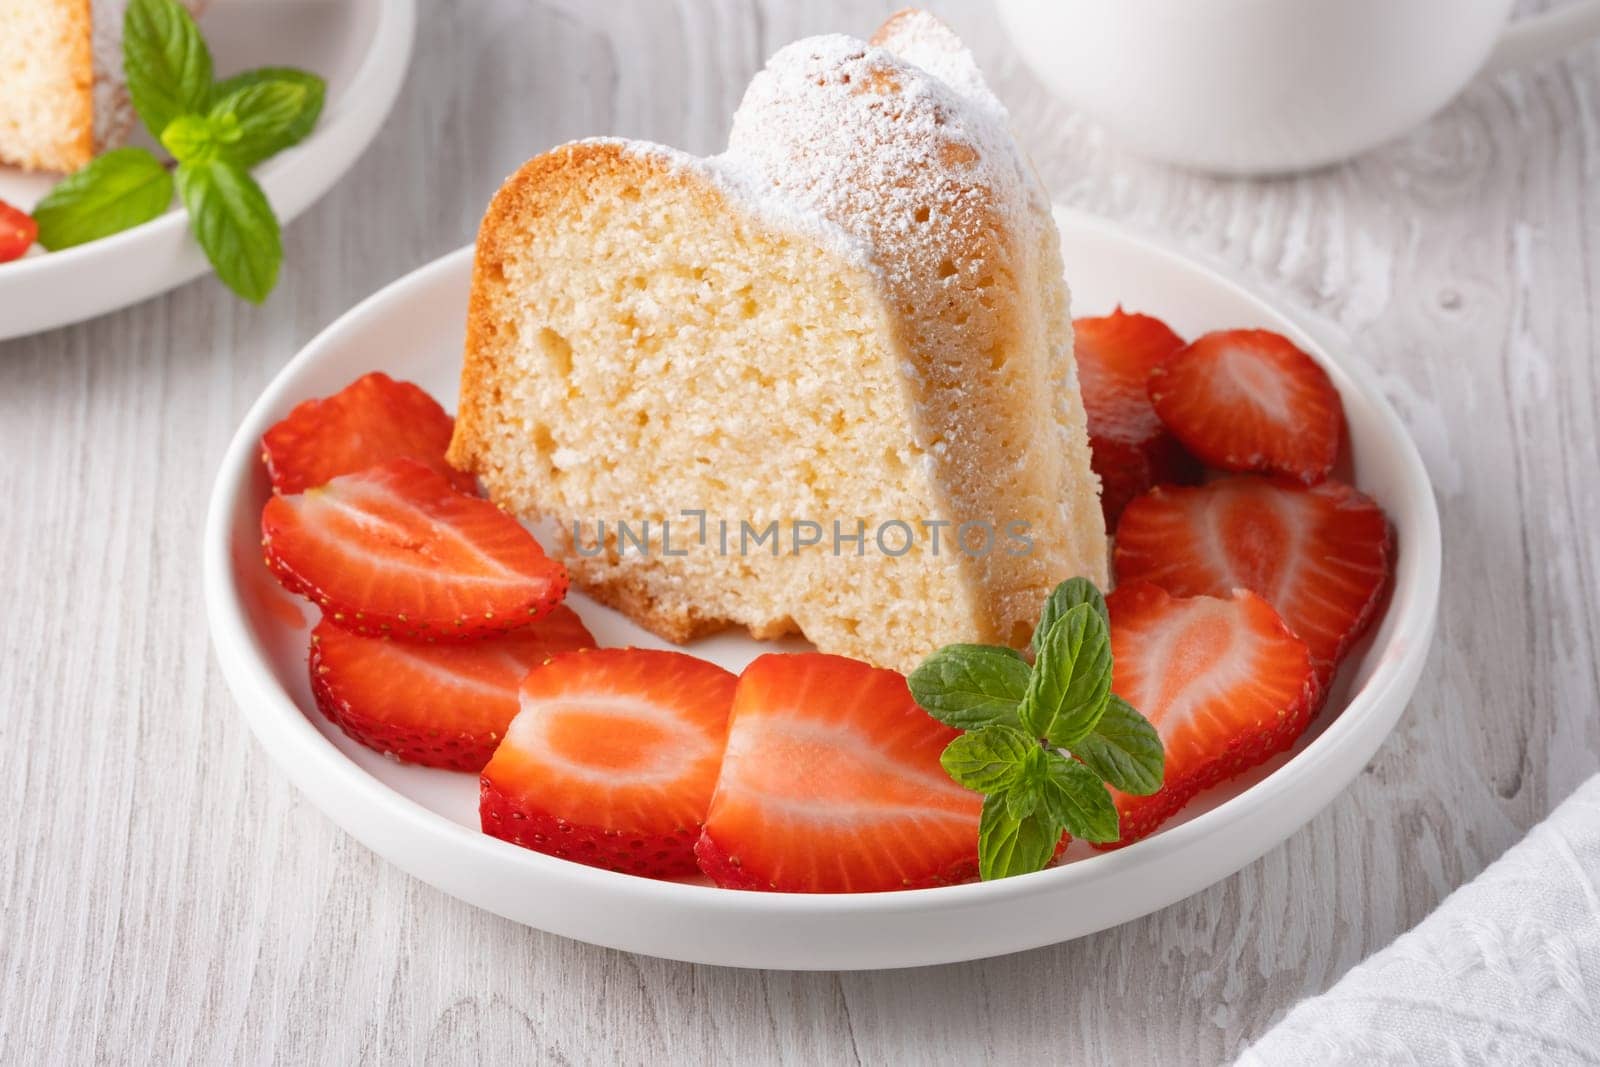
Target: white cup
(1262, 86)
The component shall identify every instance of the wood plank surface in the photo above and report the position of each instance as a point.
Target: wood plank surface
(166, 896)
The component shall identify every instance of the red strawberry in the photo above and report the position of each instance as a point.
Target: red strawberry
(1223, 680)
(1320, 556)
(1249, 400)
(395, 551)
(440, 705)
(18, 231)
(373, 419)
(832, 784)
(612, 760)
(1131, 449)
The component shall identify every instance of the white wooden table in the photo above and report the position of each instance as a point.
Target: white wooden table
(165, 895)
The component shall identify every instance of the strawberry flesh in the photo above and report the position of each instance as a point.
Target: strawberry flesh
(1250, 400)
(438, 705)
(612, 759)
(373, 419)
(1131, 449)
(832, 784)
(395, 551)
(1223, 680)
(1320, 556)
(18, 231)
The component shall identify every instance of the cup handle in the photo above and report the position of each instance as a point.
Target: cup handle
(1544, 36)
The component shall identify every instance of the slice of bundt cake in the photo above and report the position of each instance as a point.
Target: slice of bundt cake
(62, 93)
(822, 382)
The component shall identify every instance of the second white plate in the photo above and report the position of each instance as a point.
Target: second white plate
(360, 46)
(426, 822)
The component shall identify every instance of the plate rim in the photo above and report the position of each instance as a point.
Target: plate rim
(263, 701)
(293, 180)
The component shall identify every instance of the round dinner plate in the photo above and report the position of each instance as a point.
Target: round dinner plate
(360, 46)
(425, 821)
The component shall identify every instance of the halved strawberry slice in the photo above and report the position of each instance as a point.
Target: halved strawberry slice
(373, 419)
(612, 760)
(440, 705)
(832, 784)
(1131, 449)
(18, 231)
(1249, 400)
(1320, 556)
(394, 551)
(1223, 680)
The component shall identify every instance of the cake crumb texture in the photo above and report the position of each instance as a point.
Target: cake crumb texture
(63, 98)
(46, 84)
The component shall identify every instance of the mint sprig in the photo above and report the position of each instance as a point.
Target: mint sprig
(166, 62)
(215, 132)
(1010, 845)
(1063, 599)
(967, 686)
(990, 759)
(265, 112)
(233, 222)
(1123, 749)
(117, 190)
(1071, 678)
(1041, 742)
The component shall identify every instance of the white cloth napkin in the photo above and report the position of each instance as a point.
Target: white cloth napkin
(1505, 971)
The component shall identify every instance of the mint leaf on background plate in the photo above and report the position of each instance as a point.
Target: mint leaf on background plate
(117, 190)
(233, 222)
(166, 62)
(273, 108)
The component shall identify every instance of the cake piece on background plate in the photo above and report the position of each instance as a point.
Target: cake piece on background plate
(62, 94)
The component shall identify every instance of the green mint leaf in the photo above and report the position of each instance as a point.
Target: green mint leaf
(191, 139)
(1023, 795)
(1124, 749)
(230, 217)
(166, 61)
(117, 190)
(1071, 678)
(1066, 596)
(1022, 798)
(1008, 845)
(969, 686)
(1074, 796)
(988, 759)
(269, 110)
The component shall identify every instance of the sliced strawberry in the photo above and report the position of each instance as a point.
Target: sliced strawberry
(440, 705)
(612, 760)
(373, 419)
(1223, 680)
(832, 784)
(18, 231)
(1131, 449)
(1320, 556)
(395, 551)
(1249, 400)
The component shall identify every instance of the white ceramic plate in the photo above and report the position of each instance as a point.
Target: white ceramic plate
(361, 47)
(425, 821)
